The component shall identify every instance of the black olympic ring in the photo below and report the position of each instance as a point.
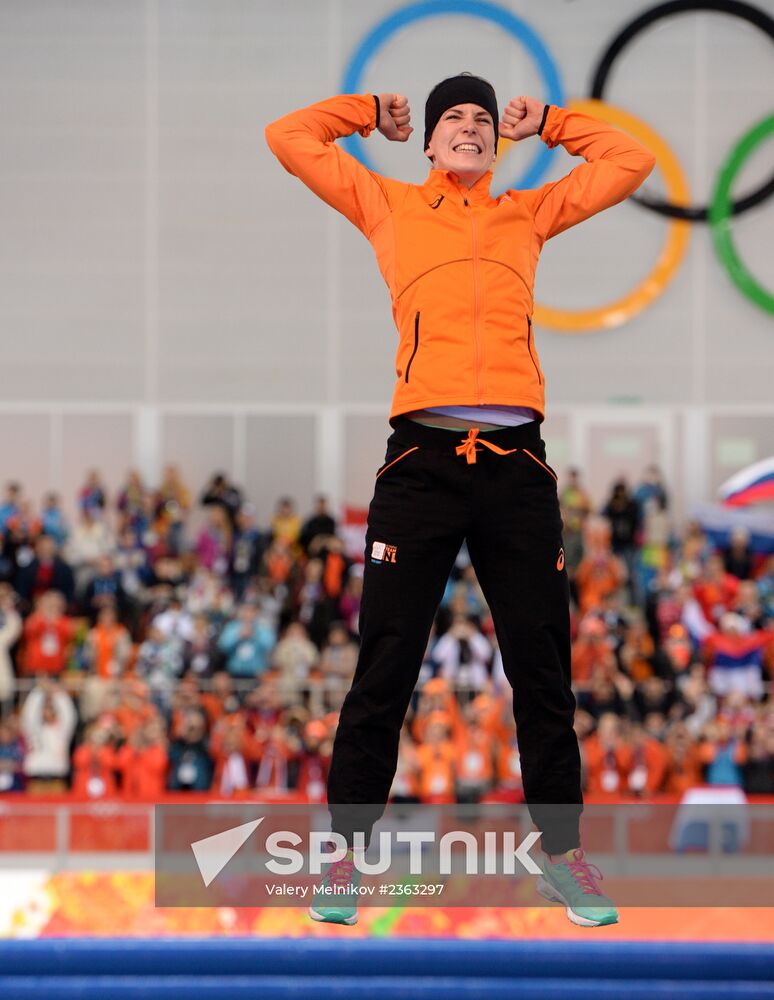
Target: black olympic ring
(754, 16)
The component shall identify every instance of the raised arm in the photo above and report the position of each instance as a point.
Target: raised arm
(304, 143)
(615, 165)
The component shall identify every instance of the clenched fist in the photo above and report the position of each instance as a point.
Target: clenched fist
(395, 117)
(521, 118)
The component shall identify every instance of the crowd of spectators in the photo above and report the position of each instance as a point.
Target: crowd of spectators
(161, 644)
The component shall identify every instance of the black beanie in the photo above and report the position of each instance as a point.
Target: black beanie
(462, 89)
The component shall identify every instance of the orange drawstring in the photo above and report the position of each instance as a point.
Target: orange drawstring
(468, 446)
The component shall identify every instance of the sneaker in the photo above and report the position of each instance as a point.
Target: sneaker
(570, 880)
(336, 907)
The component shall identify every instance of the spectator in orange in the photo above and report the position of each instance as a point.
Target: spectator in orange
(278, 561)
(436, 758)
(683, 761)
(605, 758)
(491, 713)
(94, 764)
(108, 645)
(436, 696)
(48, 636)
(678, 649)
(134, 709)
(637, 652)
(591, 650)
(142, 761)
(600, 572)
(475, 764)
(405, 785)
(330, 551)
(509, 779)
(715, 589)
(221, 699)
(644, 761)
(314, 760)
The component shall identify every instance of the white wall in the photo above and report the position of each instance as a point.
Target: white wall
(167, 290)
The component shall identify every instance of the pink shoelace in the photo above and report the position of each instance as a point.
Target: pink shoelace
(340, 872)
(585, 874)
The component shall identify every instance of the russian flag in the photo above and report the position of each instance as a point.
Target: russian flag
(752, 485)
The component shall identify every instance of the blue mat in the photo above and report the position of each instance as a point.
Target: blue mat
(62, 969)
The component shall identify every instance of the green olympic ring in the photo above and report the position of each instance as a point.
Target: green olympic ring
(721, 211)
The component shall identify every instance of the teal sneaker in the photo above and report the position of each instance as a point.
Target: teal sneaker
(568, 879)
(333, 900)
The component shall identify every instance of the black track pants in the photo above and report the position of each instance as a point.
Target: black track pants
(427, 499)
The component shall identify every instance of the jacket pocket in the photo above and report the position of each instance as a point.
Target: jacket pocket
(529, 348)
(416, 347)
(394, 461)
(542, 465)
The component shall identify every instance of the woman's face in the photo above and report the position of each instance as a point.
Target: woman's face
(463, 142)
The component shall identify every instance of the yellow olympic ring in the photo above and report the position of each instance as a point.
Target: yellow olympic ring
(621, 310)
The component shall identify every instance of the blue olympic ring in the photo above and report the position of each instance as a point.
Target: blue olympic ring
(485, 11)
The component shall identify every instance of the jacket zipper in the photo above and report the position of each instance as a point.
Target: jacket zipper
(416, 346)
(529, 348)
(476, 318)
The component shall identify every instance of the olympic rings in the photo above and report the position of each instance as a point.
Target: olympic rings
(677, 209)
(754, 16)
(721, 211)
(485, 11)
(672, 253)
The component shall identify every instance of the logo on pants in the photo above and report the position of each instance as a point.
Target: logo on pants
(381, 552)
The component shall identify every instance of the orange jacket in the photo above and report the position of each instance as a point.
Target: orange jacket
(459, 264)
(143, 771)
